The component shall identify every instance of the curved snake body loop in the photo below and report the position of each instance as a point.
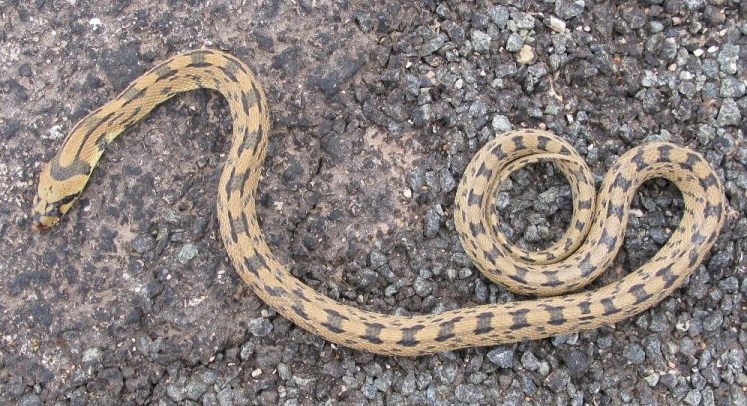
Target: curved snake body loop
(587, 248)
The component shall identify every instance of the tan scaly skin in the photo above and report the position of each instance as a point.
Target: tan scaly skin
(586, 250)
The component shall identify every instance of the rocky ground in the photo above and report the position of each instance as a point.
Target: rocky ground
(377, 108)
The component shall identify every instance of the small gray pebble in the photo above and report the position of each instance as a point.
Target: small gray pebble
(422, 287)
(433, 45)
(247, 349)
(259, 327)
(501, 124)
(558, 380)
(693, 397)
(576, 362)
(187, 253)
(432, 224)
(480, 41)
(727, 58)
(499, 16)
(567, 9)
(732, 87)
(31, 400)
(514, 43)
(384, 381)
(652, 379)
(729, 285)
(694, 5)
(467, 393)
(502, 357)
(143, 243)
(530, 361)
(634, 353)
(604, 341)
(481, 291)
(377, 259)
(415, 180)
(721, 260)
(713, 321)
(408, 384)
(729, 113)
(447, 181)
(447, 373)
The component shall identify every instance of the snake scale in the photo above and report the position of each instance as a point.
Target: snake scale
(586, 249)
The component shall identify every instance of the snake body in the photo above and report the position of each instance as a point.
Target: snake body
(588, 247)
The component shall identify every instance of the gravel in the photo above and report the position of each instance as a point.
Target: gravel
(377, 108)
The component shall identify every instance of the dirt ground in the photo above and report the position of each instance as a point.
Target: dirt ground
(377, 108)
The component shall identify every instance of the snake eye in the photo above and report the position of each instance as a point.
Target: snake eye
(53, 210)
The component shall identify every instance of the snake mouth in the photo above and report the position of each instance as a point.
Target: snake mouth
(50, 213)
(38, 224)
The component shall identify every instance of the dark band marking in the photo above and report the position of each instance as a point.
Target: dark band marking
(229, 73)
(238, 227)
(484, 323)
(639, 291)
(621, 182)
(615, 210)
(373, 330)
(92, 128)
(664, 153)
(609, 307)
(167, 90)
(691, 160)
(640, 161)
(229, 185)
(334, 321)
(693, 257)
(584, 307)
(164, 72)
(708, 181)
(254, 263)
(484, 171)
(667, 276)
(492, 255)
(713, 210)
(61, 173)
(408, 336)
(248, 142)
(257, 96)
(608, 240)
(299, 292)
(274, 292)
(131, 94)
(248, 100)
(552, 279)
(474, 199)
(497, 152)
(542, 142)
(446, 329)
(697, 238)
(556, 315)
(585, 265)
(519, 319)
(585, 204)
(519, 275)
(298, 309)
(477, 229)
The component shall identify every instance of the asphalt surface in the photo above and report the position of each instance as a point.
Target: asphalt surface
(377, 108)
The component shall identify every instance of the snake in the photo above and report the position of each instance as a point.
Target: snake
(554, 280)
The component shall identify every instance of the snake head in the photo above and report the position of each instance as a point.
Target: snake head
(51, 202)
